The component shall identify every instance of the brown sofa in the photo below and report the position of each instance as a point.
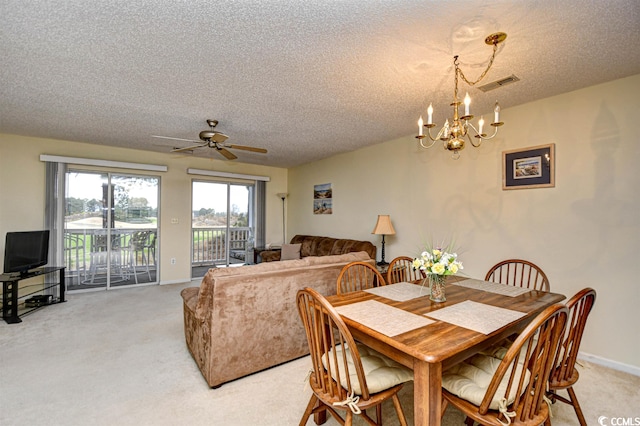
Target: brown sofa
(244, 319)
(323, 246)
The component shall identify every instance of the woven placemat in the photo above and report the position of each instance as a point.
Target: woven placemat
(476, 316)
(383, 318)
(497, 288)
(400, 292)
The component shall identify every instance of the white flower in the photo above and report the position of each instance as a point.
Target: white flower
(438, 262)
(417, 263)
(438, 268)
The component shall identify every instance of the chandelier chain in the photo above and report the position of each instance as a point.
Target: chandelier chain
(458, 70)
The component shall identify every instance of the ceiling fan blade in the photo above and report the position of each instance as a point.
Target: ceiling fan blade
(227, 154)
(248, 148)
(173, 139)
(219, 137)
(188, 148)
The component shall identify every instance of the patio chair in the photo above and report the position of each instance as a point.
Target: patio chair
(74, 255)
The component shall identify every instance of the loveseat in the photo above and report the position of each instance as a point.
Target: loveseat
(244, 319)
(322, 246)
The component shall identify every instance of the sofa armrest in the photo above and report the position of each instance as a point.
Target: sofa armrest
(190, 298)
(270, 255)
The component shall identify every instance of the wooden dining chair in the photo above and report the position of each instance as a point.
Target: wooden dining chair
(564, 375)
(347, 376)
(508, 385)
(519, 273)
(401, 269)
(356, 276)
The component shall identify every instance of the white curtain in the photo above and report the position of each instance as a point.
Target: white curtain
(261, 189)
(54, 217)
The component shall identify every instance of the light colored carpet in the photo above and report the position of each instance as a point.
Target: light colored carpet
(119, 358)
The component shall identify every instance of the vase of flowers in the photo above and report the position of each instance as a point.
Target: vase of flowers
(437, 264)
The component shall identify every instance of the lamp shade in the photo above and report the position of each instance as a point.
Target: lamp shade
(383, 226)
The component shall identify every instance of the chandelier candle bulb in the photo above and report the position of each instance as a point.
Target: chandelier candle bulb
(467, 102)
(496, 113)
(430, 114)
(420, 125)
(480, 125)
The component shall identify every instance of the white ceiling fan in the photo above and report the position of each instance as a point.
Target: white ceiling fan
(213, 139)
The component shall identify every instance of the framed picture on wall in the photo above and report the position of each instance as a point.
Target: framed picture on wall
(322, 199)
(529, 167)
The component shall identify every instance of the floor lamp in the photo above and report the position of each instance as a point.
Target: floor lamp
(383, 227)
(283, 195)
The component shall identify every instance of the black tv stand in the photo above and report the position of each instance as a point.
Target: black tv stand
(14, 306)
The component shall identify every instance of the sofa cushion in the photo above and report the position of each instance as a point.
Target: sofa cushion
(290, 251)
(308, 247)
(324, 246)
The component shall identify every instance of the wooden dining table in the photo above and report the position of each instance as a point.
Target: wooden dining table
(430, 349)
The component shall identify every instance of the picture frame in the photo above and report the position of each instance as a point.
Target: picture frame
(527, 168)
(322, 199)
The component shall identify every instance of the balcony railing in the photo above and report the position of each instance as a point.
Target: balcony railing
(209, 244)
(209, 247)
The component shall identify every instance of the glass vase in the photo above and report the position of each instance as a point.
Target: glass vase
(436, 284)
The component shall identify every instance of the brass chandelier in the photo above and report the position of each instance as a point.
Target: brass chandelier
(453, 133)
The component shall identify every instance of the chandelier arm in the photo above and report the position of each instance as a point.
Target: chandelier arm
(483, 136)
(433, 141)
(439, 135)
(470, 124)
(495, 132)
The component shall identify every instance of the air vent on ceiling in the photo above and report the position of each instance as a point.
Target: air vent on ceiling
(499, 83)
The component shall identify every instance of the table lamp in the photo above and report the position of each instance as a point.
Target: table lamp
(383, 227)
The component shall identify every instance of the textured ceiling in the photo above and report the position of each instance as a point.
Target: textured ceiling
(305, 80)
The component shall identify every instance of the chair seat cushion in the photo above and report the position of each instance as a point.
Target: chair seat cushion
(381, 372)
(470, 379)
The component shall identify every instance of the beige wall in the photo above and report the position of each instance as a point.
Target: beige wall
(22, 183)
(584, 232)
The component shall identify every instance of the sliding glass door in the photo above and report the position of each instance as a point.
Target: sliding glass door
(222, 225)
(110, 229)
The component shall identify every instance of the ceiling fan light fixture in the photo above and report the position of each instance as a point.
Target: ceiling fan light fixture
(213, 139)
(212, 135)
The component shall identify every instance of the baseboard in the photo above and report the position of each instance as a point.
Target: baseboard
(185, 280)
(625, 368)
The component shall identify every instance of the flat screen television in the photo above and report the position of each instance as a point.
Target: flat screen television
(25, 250)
